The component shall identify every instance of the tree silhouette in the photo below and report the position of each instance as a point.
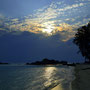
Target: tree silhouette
(82, 40)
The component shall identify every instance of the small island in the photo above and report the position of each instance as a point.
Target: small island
(3, 63)
(46, 61)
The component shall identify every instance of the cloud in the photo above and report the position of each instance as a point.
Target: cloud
(71, 7)
(28, 47)
(58, 17)
(48, 32)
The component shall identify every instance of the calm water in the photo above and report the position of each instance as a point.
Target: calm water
(35, 77)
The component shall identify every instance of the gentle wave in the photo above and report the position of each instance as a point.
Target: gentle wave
(35, 77)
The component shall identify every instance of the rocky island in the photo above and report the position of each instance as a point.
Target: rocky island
(46, 61)
(3, 63)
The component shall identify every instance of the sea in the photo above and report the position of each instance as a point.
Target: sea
(29, 77)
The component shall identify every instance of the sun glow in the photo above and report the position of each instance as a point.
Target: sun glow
(48, 28)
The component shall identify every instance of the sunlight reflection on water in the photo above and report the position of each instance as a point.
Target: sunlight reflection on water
(35, 78)
(49, 75)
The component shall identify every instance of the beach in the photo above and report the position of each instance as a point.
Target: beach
(82, 77)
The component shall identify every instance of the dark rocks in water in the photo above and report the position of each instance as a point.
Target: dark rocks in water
(73, 64)
(87, 62)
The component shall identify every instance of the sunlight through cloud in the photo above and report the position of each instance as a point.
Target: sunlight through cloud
(56, 17)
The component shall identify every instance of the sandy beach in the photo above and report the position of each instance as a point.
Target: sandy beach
(59, 87)
(82, 80)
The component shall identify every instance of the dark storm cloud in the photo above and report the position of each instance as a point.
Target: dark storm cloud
(26, 46)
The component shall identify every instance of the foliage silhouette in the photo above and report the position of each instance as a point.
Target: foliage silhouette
(46, 61)
(82, 40)
(3, 63)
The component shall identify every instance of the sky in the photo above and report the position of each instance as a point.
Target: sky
(31, 30)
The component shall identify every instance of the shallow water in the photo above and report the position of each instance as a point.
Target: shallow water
(35, 77)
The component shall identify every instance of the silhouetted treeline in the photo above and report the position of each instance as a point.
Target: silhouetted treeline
(3, 63)
(50, 62)
(82, 40)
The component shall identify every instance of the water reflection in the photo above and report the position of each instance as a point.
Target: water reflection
(57, 77)
(49, 75)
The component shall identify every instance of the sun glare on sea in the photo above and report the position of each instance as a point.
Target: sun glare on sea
(49, 75)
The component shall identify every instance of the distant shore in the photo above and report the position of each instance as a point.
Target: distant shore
(82, 80)
(46, 61)
(3, 63)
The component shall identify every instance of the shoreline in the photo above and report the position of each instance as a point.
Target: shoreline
(58, 87)
(82, 77)
(65, 86)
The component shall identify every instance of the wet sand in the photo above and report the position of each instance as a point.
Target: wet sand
(58, 87)
(82, 80)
